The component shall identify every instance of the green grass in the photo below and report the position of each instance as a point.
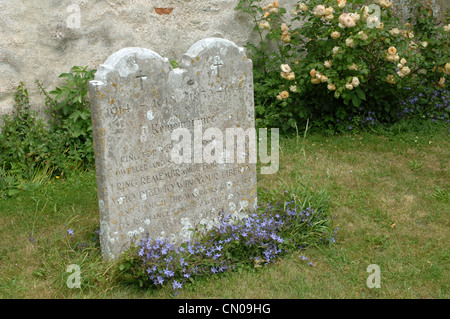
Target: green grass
(389, 197)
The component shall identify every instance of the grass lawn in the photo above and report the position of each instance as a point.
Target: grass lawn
(389, 196)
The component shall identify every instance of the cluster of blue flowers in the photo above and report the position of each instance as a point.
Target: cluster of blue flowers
(257, 239)
(434, 105)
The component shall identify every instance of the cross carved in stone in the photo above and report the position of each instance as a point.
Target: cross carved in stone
(217, 64)
(142, 77)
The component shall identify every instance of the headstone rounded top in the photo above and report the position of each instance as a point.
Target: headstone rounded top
(125, 63)
(211, 45)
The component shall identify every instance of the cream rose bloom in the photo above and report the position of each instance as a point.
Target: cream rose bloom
(355, 81)
(355, 16)
(328, 17)
(393, 57)
(328, 64)
(349, 42)
(286, 68)
(323, 78)
(290, 76)
(264, 25)
(390, 79)
(395, 32)
(303, 7)
(353, 67)
(274, 10)
(320, 11)
(335, 49)
(447, 68)
(331, 86)
(347, 20)
(293, 88)
(335, 35)
(315, 81)
(362, 35)
(284, 94)
(404, 71)
(341, 3)
(385, 3)
(392, 50)
(441, 82)
(349, 86)
(413, 45)
(403, 61)
(447, 28)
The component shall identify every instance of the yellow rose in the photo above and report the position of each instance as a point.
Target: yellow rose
(285, 68)
(323, 78)
(303, 7)
(390, 79)
(290, 76)
(341, 3)
(392, 50)
(335, 34)
(395, 32)
(392, 58)
(447, 68)
(284, 94)
(320, 10)
(404, 71)
(331, 86)
(353, 67)
(264, 25)
(349, 42)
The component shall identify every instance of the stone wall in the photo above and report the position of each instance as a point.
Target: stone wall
(40, 39)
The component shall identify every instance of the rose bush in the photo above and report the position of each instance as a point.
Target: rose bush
(335, 61)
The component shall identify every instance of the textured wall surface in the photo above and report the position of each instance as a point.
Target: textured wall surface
(38, 40)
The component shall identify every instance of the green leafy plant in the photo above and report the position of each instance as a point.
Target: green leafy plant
(29, 148)
(70, 111)
(25, 146)
(338, 62)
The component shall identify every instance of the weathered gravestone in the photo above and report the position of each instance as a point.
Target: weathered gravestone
(163, 156)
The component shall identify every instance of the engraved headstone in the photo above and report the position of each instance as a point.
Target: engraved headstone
(173, 147)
